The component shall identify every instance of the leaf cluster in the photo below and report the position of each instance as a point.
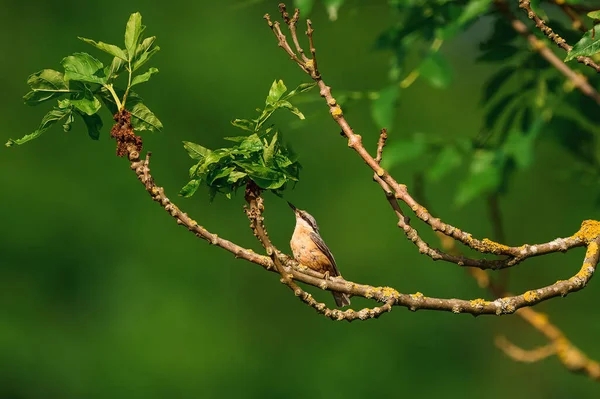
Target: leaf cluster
(85, 84)
(259, 156)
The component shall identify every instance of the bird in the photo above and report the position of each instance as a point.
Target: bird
(310, 250)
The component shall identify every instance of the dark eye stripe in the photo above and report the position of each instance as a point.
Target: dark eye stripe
(310, 220)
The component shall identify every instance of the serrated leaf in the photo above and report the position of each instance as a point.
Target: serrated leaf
(436, 70)
(269, 150)
(236, 176)
(586, 46)
(144, 119)
(287, 105)
(244, 124)
(84, 68)
(107, 48)
(275, 92)
(144, 77)
(302, 88)
(144, 57)
(86, 102)
(190, 188)
(68, 123)
(144, 46)
(196, 151)
(384, 106)
(48, 121)
(132, 34)
(448, 159)
(93, 124)
(45, 85)
(115, 67)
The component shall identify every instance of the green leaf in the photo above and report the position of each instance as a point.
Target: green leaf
(436, 70)
(235, 176)
(404, 150)
(115, 68)
(448, 159)
(275, 92)
(132, 34)
(107, 48)
(144, 46)
(45, 85)
(86, 102)
(68, 123)
(84, 68)
(196, 151)
(189, 189)
(302, 88)
(49, 119)
(144, 119)
(93, 124)
(143, 77)
(244, 124)
(144, 57)
(586, 46)
(384, 106)
(287, 105)
(594, 14)
(269, 150)
(485, 175)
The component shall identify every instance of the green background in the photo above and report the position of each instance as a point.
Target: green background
(102, 295)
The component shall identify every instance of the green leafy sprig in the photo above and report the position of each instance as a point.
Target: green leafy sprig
(87, 83)
(260, 156)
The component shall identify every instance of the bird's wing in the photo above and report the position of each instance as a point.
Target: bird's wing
(323, 247)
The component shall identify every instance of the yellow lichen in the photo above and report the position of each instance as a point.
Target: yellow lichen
(389, 292)
(336, 112)
(417, 296)
(592, 249)
(531, 296)
(589, 230)
(478, 303)
(310, 65)
(380, 172)
(493, 247)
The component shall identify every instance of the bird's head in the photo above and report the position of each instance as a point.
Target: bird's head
(304, 218)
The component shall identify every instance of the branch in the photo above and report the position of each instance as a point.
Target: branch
(569, 355)
(400, 192)
(387, 296)
(579, 80)
(546, 30)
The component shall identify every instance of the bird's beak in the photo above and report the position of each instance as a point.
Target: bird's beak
(292, 206)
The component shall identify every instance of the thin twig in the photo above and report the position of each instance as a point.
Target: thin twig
(579, 80)
(546, 30)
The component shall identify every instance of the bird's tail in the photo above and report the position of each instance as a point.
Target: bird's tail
(341, 299)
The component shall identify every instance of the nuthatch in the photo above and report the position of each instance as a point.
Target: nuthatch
(310, 250)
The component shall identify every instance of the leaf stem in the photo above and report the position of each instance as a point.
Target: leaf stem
(128, 83)
(120, 106)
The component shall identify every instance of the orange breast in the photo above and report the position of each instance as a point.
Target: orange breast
(306, 251)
